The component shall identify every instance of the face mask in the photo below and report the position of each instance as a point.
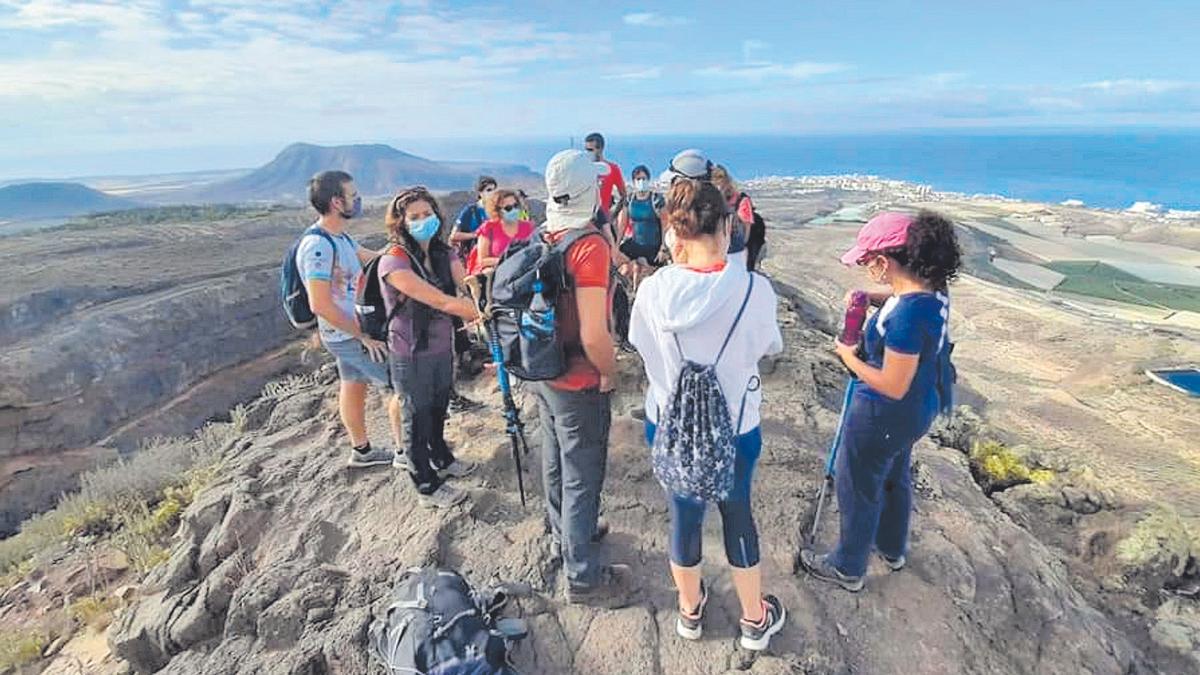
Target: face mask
(641, 184)
(424, 230)
(595, 155)
(510, 216)
(355, 210)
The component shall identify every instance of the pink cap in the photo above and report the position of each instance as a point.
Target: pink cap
(886, 230)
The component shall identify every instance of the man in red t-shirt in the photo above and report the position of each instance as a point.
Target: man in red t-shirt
(575, 408)
(609, 181)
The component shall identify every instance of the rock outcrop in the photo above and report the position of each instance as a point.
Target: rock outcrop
(280, 565)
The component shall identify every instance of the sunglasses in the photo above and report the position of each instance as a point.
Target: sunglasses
(509, 207)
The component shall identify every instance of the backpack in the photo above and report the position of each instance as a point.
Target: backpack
(292, 289)
(370, 311)
(437, 625)
(525, 286)
(694, 447)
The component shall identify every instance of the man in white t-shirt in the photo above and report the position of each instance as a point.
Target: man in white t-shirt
(329, 266)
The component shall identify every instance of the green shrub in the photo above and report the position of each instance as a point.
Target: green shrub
(94, 611)
(20, 648)
(996, 467)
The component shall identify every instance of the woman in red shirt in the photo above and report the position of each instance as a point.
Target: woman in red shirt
(504, 226)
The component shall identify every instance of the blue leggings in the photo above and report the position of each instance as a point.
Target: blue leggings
(687, 514)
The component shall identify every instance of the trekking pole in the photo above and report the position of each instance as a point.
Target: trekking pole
(512, 417)
(829, 464)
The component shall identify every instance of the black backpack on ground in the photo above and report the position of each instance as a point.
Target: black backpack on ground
(437, 625)
(525, 288)
(292, 289)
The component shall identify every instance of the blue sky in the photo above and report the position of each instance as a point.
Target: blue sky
(155, 85)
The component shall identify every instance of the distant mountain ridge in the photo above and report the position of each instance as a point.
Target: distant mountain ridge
(32, 201)
(377, 170)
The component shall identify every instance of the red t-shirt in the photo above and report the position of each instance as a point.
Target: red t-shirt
(499, 239)
(613, 180)
(587, 263)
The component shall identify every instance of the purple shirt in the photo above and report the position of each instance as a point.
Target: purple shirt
(402, 331)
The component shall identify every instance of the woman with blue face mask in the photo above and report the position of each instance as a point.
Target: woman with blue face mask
(505, 225)
(421, 276)
(641, 227)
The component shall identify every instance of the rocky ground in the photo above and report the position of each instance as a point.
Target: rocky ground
(279, 564)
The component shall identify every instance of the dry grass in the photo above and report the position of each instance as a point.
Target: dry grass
(20, 648)
(94, 611)
(141, 496)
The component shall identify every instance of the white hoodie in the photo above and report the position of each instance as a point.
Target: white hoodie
(700, 307)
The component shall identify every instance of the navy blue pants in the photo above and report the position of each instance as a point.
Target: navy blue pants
(687, 513)
(873, 478)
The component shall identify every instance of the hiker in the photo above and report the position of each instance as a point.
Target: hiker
(641, 227)
(575, 408)
(706, 311)
(329, 260)
(690, 163)
(612, 180)
(743, 209)
(504, 226)
(421, 276)
(472, 216)
(899, 388)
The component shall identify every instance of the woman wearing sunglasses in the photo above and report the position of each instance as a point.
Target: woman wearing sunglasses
(504, 226)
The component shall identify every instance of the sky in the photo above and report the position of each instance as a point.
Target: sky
(142, 86)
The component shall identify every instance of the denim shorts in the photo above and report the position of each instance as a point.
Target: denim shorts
(355, 365)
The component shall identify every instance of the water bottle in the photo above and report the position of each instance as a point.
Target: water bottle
(539, 320)
(856, 316)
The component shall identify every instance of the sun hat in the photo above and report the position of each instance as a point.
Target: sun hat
(572, 190)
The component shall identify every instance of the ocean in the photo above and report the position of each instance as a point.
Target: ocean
(1109, 170)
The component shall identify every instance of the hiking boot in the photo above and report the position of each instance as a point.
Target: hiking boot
(638, 413)
(444, 497)
(457, 469)
(894, 564)
(369, 456)
(613, 591)
(400, 461)
(757, 637)
(818, 565)
(461, 404)
(690, 626)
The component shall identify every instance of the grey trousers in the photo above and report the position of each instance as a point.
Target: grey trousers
(423, 385)
(575, 428)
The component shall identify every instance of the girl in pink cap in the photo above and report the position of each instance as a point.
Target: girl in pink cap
(902, 380)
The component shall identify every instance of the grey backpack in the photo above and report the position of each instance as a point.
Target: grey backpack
(437, 625)
(694, 444)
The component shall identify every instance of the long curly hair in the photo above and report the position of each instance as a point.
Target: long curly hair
(396, 218)
(694, 208)
(932, 253)
(492, 204)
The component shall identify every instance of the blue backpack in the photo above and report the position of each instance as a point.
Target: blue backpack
(694, 445)
(291, 286)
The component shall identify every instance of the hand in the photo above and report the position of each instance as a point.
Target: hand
(376, 349)
(844, 351)
(467, 311)
(849, 297)
(607, 384)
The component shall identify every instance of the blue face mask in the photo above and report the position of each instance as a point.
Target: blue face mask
(355, 210)
(423, 230)
(511, 216)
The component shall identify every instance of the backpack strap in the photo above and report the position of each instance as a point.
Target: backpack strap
(320, 232)
(736, 321)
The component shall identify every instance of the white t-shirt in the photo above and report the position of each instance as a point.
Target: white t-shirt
(700, 308)
(314, 259)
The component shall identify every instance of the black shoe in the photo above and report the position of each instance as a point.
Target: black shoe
(757, 637)
(467, 366)
(613, 591)
(462, 404)
(894, 564)
(818, 565)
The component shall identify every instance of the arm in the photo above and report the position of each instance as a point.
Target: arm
(458, 235)
(620, 180)
(416, 288)
(457, 272)
(483, 245)
(320, 301)
(893, 380)
(592, 305)
(623, 221)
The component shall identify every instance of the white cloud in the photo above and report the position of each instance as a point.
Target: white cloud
(762, 70)
(636, 75)
(654, 20)
(1127, 87)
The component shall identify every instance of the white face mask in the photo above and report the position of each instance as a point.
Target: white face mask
(641, 184)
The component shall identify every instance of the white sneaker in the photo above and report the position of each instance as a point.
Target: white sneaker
(458, 469)
(401, 461)
(444, 497)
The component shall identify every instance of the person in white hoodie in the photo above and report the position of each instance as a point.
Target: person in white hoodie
(700, 309)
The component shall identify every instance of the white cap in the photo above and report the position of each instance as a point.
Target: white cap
(691, 163)
(571, 189)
